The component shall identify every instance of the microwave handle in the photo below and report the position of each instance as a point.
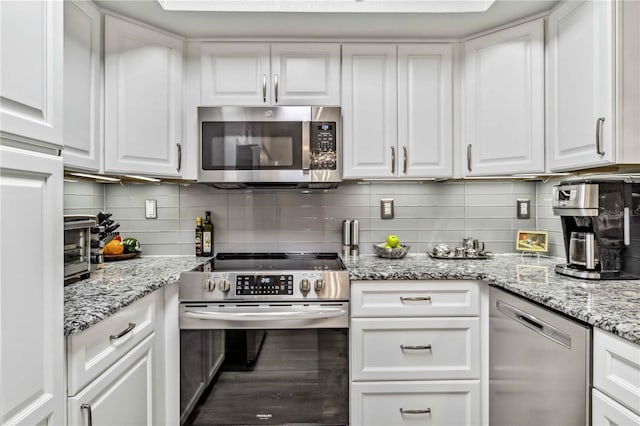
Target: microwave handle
(306, 145)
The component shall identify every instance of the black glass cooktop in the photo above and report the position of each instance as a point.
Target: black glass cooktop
(277, 262)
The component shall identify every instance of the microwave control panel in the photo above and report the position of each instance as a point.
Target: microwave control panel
(324, 155)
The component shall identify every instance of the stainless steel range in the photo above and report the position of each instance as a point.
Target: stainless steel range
(271, 330)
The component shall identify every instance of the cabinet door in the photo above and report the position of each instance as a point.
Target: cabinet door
(580, 106)
(31, 295)
(425, 126)
(235, 74)
(31, 36)
(503, 125)
(143, 100)
(82, 77)
(369, 110)
(607, 412)
(123, 395)
(305, 73)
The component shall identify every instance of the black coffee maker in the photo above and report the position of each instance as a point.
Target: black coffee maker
(601, 227)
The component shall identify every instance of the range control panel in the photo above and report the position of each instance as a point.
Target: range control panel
(250, 285)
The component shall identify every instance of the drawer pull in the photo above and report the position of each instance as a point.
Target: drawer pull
(415, 299)
(427, 411)
(416, 348)
(124, 332)
(87, 407)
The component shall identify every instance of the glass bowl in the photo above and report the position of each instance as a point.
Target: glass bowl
(391, 253)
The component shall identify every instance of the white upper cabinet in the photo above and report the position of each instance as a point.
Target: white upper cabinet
(397, 110)
(305, 73)
(369, 110)
(143, 100)
(235, 74)
(503, 102)
(31, 37)
(82, 82)
(425, 124)
(255, 74)
(594, 67)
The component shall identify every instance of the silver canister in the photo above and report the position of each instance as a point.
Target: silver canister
(346, 237)
(355, 238)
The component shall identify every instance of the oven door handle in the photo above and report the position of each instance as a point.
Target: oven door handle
(257, 315)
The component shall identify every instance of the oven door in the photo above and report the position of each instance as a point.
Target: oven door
(280, 363)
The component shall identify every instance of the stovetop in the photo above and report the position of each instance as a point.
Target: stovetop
(277, 262)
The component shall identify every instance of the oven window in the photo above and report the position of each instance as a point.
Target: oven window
(251, 145)
(273, 377)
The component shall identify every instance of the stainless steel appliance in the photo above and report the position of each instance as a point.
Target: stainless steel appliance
(601, 227)
(539, 365)
(270, 146)
(284, 318)
(77, 246)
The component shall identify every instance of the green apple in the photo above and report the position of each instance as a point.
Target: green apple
(387, 246)
(393, 240)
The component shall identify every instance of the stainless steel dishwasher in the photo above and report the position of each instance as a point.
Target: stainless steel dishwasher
(539, 365)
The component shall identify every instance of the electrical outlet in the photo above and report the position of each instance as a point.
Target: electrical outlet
(386, 208)
(151, 209)
(524, 209)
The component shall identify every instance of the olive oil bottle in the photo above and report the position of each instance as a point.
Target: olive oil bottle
(207, 236)
(198, 236)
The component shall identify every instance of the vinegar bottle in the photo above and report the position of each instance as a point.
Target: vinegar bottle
(198, 236)
(207, 236)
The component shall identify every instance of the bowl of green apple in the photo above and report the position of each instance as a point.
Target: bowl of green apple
(392, 249)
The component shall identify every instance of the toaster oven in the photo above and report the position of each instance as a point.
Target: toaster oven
(77, 246)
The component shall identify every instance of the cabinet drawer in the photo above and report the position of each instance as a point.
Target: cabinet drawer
(123, 395)
(414, 298)
(415, 349)
(616, 368)
(93, 351)
(607, 412)
(434, 403)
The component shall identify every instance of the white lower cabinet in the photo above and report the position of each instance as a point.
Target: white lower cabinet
(123, 395)
(616, 380)
(114, 369)
(413, 360)
(415, 403)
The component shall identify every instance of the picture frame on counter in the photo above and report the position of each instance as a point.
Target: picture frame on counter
(532, 241)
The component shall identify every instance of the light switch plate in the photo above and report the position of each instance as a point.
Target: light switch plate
(386, 208)
(524, 209)
(151, 209)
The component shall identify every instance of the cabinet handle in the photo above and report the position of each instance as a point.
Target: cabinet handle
(393, 160)
(87, 407)
(179, 145)
(275, 86)
(469, 157)
(599, 136)
(416, 348)
(124, 332)
(427, 411)
(404, 160)
(415, 299)
(264, 88)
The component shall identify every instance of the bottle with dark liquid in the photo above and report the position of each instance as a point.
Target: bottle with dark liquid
(207, 236)
(198, 236)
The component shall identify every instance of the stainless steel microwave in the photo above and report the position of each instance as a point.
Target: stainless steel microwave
(288, 146)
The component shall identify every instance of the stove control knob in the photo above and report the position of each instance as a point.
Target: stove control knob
(318, 285)
(224, 285)
(210, 284)
(305, 285)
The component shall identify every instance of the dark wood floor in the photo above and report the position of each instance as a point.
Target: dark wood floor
(301, 377)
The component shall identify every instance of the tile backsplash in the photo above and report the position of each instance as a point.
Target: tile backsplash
(268, 220)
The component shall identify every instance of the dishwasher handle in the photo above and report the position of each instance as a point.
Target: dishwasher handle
(535, 324)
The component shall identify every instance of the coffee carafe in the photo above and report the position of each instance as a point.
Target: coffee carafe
(601, 227)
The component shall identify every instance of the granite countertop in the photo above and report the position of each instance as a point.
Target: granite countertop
(613, 306)
(119, 284)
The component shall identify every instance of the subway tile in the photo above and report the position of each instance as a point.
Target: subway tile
(487, 223)
(491, 200)
(399, 199)
(442, 236)
(442, 200)
(442, 188)
(488, 188)
(489, 212)
(395, 225)
(407, 188)
(431, 224)
(442, 212)
(83, 188)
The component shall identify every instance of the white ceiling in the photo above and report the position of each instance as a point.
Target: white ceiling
(344, 26)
